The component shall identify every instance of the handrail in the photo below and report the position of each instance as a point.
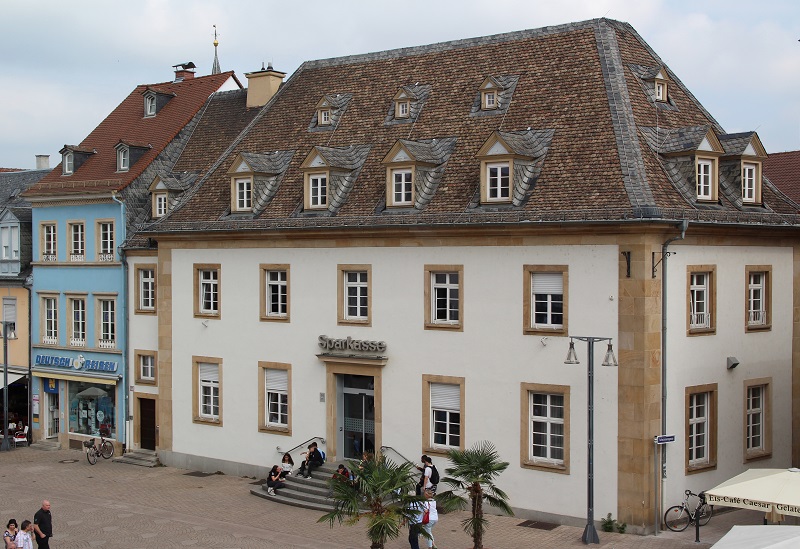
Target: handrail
(383, 451)
(301, 445)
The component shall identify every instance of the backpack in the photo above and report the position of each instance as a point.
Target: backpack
(322, 454)
(434, 474)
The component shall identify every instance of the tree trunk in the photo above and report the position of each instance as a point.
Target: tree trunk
(376, 545)
(477, 513)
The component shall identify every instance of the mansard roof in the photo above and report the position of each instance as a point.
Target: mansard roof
(602, 151)
(127, 124)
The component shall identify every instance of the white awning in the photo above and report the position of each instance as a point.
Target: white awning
(11, 379)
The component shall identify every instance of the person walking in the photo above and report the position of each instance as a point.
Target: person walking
(24, 536)
(427, 472)
(43, 526)
(433, 517)
(10, 535)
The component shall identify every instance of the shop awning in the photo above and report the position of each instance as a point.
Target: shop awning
(11, 378)
(67, 377)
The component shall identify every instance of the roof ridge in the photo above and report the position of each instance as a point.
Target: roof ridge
(462, 43)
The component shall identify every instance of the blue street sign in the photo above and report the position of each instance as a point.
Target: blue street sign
(663, 439)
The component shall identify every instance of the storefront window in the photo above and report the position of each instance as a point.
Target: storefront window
(92, 409)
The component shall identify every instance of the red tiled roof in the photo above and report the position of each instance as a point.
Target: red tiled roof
(128, 124)
(11, 169)
(783, 169)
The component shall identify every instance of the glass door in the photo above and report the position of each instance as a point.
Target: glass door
(357, 426)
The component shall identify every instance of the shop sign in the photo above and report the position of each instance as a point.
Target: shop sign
(79, 363)
(51, 386)
(350, 344)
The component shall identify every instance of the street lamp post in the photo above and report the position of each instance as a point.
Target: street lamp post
(590, 532)
(5, 446)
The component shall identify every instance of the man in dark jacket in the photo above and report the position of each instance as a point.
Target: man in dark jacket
(313, 459)
(43, 526)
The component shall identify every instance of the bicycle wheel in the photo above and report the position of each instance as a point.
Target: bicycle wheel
(91, 456)
(676, 518)
(704, 514)
(106, 449)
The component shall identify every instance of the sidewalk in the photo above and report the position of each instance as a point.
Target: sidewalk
(114, 505)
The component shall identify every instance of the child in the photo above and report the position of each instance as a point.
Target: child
(288, 464)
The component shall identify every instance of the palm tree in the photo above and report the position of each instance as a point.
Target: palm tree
(381, 493)
(472, 482)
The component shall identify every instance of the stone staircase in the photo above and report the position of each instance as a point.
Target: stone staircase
(141, 457)
(46, 445)
(310, 493)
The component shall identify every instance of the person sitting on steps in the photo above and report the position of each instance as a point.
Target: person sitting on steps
(313, 459)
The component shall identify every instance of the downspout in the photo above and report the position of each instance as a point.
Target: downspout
(124, 267)
(664, 256)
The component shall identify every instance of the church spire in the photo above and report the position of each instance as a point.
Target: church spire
(215, 67)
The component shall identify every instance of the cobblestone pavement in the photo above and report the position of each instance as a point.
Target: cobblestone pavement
(114, 505)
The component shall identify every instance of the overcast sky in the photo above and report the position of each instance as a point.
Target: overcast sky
(66, 65)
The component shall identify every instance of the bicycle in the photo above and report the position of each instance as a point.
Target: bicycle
(678, 517)
(106, 449)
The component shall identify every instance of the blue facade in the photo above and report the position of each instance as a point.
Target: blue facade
(78, 319)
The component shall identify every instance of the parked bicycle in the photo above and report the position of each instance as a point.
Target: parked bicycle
(678, 517)
(105, 449)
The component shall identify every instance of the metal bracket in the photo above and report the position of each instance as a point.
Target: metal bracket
(657, 263)
(628, 263)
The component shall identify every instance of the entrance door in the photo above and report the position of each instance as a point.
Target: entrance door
(147, 423)
(51, 415)
(357, 423)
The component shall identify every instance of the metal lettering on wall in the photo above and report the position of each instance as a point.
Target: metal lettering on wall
(350, 344)
(79, 363)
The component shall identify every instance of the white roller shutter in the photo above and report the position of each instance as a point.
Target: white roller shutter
(445, 396)
(277, 380)
(208, 372)
(547, 283)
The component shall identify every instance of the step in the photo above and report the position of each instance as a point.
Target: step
(142, 458)
(285, 500)
(46, 445)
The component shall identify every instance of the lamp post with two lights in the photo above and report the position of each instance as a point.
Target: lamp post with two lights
(590, 532)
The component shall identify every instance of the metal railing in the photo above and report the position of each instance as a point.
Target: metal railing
(301, 445)
(384, 449)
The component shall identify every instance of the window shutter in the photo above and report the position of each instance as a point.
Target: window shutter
(548, 283)
(208, 372)
(445, 396)
(277, 380)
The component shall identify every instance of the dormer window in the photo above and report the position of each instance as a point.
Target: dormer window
(329, 174)
(68, 163)
(402, 108)
(706, 178)
(402, 187)
(497, 166)
(123, 158)
(244, 194)
(661, 90)
(489, 100)
(498, 182)
(149, 105)
(317, 184)
(324, 117)
(160, 201)
(748, 182)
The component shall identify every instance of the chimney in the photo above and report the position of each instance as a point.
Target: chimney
(42, 161)
(184, 71)
(262, 85)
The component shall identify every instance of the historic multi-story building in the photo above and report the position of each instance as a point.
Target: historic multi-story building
(82, 211)
(399, 248)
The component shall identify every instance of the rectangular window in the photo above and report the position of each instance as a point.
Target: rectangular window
(401, 109)
(324, 117)
(9, 318)
(50, 320)
(108, 324)
(705, 179)
(498, 182)
(402, 187)
(443, 297)
(544, 304)
(489, 100)
(105, 233)
(208, 378)
(660, 91)
(748, 182)
(122, 159)
(758, 297)
(547, 431)
(207, 290)
(445, 406)
(69, 163)
(354, 294)
(275, 292)
(701, 427)
(9, 240)
(149, 105)
(701, 299)
(160, 208)
(244, 194)
(49, 242)
(77, 242)
(146, 289)
(274, 397)
(147, 367)
(318, 189)
(77, 336)
(757, 419)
